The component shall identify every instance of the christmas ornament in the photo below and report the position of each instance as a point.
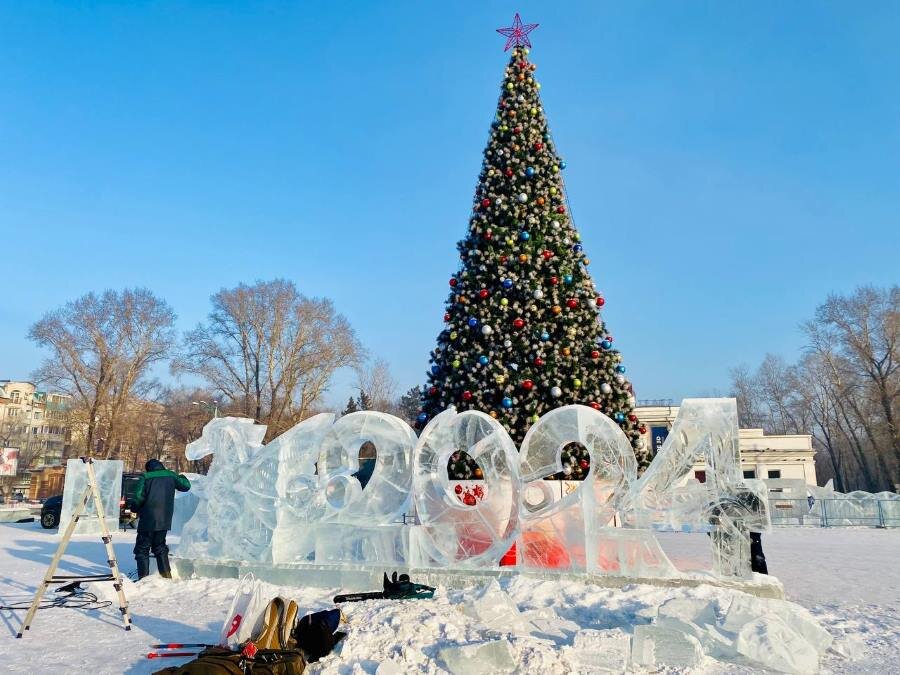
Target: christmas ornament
(473, 322)
(524, 236)
(483, 360)
(605, 388)
(556, 392)
(527, 385)
(600, 302)
(486, 330)
(453, 283)
(507, 283)
(467, 396)
(483, 293)
(620, 369)
(529, 171)
(421, 418)
(571, 303)
(567, 278)
(538, 294)
(507, 402)
(518, 323)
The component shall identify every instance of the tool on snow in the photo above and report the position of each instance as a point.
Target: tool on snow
(395, 588)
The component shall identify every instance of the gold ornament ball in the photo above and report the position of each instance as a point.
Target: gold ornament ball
(576, 382)
(453, 335)
(553, 191)
(504, 302)
(556, 309)
(566, 351)
(456, 364)
(494, 414)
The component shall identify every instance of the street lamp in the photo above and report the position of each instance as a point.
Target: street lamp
(212, 407)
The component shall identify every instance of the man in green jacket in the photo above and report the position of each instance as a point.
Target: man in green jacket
(154, 500)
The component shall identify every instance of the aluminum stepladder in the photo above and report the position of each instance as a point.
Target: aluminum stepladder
(90, 492)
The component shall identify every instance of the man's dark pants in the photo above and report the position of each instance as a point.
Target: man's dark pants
(154, 540)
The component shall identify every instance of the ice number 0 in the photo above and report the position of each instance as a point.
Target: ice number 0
(451, 533)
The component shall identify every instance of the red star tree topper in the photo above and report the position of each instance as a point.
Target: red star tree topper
(517, 34)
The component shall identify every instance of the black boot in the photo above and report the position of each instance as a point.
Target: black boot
(162, 565)
(143, 567)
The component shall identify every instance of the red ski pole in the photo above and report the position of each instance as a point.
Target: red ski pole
(178, 645)
(167, 655)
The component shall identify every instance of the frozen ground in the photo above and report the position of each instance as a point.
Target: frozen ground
(849, 578)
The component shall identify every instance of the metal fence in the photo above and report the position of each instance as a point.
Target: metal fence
(835, 512)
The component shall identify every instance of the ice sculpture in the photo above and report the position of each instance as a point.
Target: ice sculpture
(365, 524)
(300, 499)
(452, 534)
(222, 527)
(726, 505)
(563, 534)
(108, 473)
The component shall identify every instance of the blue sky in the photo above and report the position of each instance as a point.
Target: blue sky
(729, 164)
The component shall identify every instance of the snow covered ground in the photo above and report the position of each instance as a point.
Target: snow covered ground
(848, 578)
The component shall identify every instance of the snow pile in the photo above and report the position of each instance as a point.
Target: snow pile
(543, 626)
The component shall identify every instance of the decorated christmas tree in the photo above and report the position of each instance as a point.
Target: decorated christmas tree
(524, 333)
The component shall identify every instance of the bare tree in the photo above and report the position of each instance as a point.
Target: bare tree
(379, 386)
(102, 349)
(270, 351)
(845, 390)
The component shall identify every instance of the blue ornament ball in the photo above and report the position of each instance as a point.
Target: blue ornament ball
(620, 417)
(545, 336)
(562, 165)
(529, 171)
(421, 418)
(567, 278)
(435, 370)
(483, 360)
(620, 369)
(577, 248)
(473, 322)
(507, 402)
(606, 344)
(524, 236)
(507, 283)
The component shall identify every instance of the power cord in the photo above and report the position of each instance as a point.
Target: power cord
(71, 595)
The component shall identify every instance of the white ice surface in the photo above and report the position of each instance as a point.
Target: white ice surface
(848, 578)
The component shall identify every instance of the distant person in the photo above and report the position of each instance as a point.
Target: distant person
(154, 501)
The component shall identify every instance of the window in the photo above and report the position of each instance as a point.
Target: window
(749, 473)
(700, 476)
(774, 473)
(16, 397)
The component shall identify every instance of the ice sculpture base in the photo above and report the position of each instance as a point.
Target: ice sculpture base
(357, 578)
(16, 515)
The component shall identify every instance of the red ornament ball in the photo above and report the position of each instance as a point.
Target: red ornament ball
(595, 354)
(632, 417)
(554, 281)
(483, 293)
(609, 337)
(433, 391)
(600, 302)
(547, 254)
(642, 429)
(467, 395)
(458, 489)
(538, 146)
(594, 405)
(485, 203)
(560, 209)
(509, 173)
(571, 303)
(503, 259)
(517, 130)
(447, 316)
(584, 464)
(539, 361)
(527, 385)
(453, 283)
(518, 323)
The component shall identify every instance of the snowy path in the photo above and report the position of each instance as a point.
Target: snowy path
(850, 579)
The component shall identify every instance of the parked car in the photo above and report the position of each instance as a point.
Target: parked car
(52, 507)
